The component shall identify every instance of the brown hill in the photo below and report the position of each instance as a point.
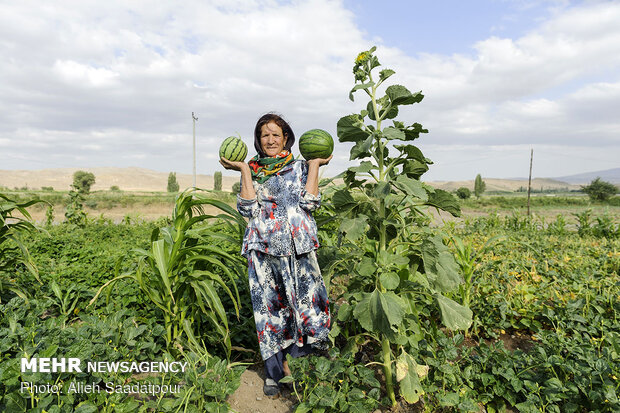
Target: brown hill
(127, 179)
(510, 185)
(140, 179)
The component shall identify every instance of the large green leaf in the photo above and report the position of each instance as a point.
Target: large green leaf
(412, 151)
(411, 187)
(446, 201)
(454, 315)
(400, 95)
(390, 280)
(360, 86)
(367, 267)
(354, 228)
(158, 249)
(439, 264)
(408, 378)
(381, 190)
(363, 167)
(343, 200)
(393, 133)
(414, 169)
(361, 148)
(351, 129)
(380, 312)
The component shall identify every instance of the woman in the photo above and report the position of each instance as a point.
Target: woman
(278, 195)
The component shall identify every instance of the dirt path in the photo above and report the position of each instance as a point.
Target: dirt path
(249, 397)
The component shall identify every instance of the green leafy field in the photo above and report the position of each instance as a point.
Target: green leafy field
(545, 336)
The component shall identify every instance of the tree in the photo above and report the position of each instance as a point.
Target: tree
(479, 186)
(217, 181)
(173, 185)
(82, 181)
(599, 190)
(463, 193)
(236, 188)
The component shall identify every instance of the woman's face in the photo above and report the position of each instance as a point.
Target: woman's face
(271, 139)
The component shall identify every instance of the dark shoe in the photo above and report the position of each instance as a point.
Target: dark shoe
(270, 388)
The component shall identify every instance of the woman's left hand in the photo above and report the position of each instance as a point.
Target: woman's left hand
(320, 161)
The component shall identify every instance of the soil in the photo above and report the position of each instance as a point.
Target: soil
(249, 397)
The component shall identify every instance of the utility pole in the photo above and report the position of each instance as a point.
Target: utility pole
(529, 183)
(194, 119)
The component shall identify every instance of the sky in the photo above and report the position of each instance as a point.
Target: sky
(114, 84)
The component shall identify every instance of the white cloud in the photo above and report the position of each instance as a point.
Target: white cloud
(123, 78)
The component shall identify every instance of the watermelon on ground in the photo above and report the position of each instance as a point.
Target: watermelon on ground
(233, 149)
(316, 143)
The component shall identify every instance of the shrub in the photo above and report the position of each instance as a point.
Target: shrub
(236, 188)
(82, 181)
(217, 181)
(599, 190)
(173, 185)
(463, 193)
(479, 186)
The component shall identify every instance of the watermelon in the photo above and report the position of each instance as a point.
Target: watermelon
(233, 149)
(316, 143)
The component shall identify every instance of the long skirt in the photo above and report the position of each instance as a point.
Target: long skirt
(290, 305)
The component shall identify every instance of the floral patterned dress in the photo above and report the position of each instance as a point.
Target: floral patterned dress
(289, 297)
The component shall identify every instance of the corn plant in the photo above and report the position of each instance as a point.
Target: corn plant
(13, 251)
(399, 264)
(185, 269)
(65, 301)
(467, 259)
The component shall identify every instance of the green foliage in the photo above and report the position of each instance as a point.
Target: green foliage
(463, 193)
(13, 251)
(599, 190)
(335, 384)
(49, 215)
(74, 211)
(82, 181)
(180, 274)
(112, 335)
(392, 259)
(467, 259)
(217, 181)
(479, 186)
(603, 226)
(114, 188)
(173, 185)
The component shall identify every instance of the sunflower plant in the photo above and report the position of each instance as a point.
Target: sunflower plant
(395, 265)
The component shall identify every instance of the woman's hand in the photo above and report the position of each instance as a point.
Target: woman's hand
(247, 189)
(235, 166)
(320, 161)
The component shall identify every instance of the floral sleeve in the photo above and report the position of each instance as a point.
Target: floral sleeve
(247, 207)
(309, 202)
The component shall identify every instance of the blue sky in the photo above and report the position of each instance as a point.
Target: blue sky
(444, 27)
(94, 84)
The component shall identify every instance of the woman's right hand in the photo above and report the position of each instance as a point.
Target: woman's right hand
(247, 188)
(235, 166)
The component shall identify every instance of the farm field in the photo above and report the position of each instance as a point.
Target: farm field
(150, 206)
(545, 334)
